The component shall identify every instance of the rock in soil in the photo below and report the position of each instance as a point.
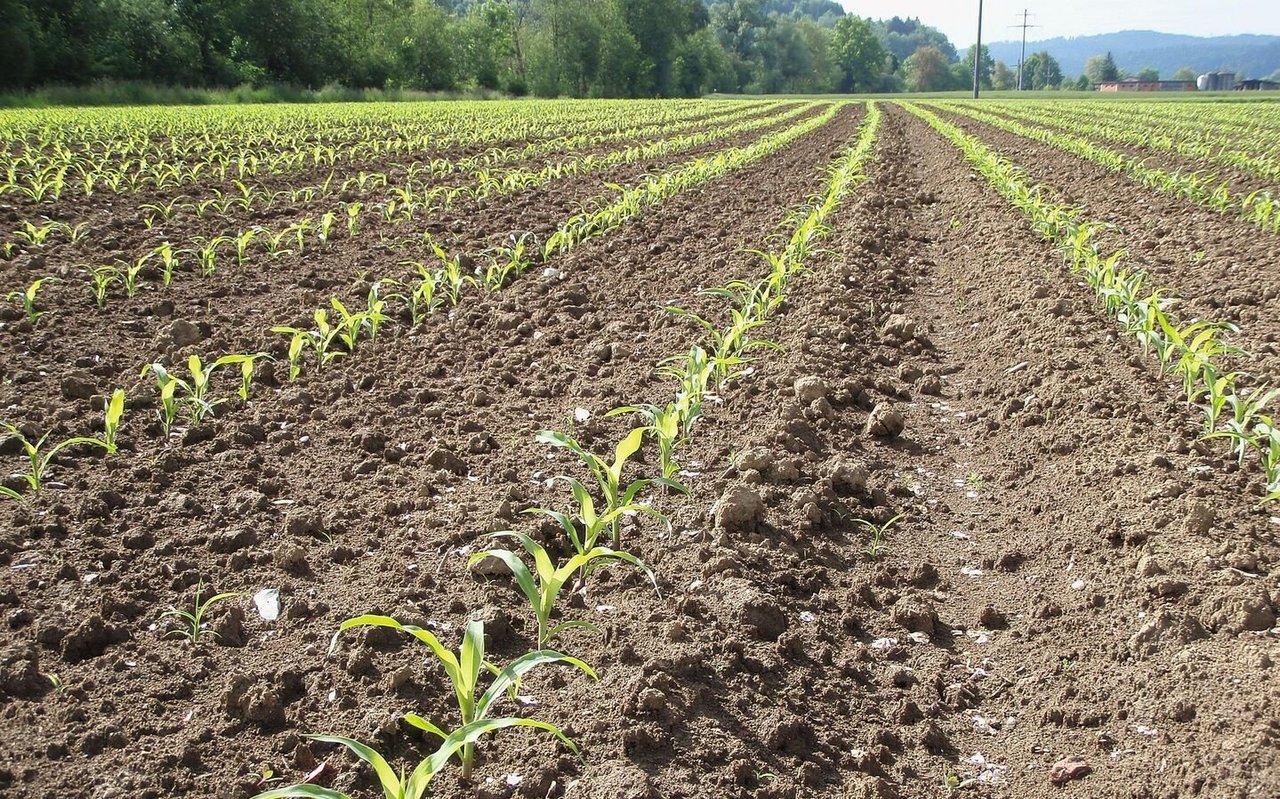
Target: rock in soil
(885, 421)
(1069, 768)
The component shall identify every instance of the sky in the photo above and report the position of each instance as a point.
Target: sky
(959, 18)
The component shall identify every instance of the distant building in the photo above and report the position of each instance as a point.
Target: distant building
(1135, 85)
(1257, 85)
(1216, 82)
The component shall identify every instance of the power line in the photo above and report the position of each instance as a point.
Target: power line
(1023, 58)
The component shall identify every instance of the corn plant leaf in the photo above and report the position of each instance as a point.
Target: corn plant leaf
(464, 736)
(414, 720)
(627, 447)
(511, 674)
(301, 791)
(387, 777)
(446, 658)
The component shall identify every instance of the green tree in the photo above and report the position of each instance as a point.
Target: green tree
(927, 71)
(18, 40)
(1003, 78)
(1041, 71)
(1148, 74)
(902, 37)
(984, 69)
(1185, 73)
(856, 55)
(1101, 69)
(486, 36)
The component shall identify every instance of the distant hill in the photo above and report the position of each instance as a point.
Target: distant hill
(1256, 56)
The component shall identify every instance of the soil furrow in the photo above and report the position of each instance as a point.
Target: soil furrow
(1215, 264)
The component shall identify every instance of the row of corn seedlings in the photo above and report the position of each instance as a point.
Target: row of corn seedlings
(245, 198)
(45, 153)
(402, 204)
(1193, 352)
(598, 506)
(1097, 122)
(1260, 207)
(186, 395)
(431, 288)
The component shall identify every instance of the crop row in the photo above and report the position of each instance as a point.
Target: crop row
(398, 205)
(598, 504)
(221, 202)
(1234, 403)
(337, 331)
(124, 151)
(1254, 157)
(600, 497)
(1260, 207)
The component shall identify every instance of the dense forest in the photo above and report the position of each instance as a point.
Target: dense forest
(581, 48)
(547, 48)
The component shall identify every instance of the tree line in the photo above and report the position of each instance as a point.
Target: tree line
(580, 48)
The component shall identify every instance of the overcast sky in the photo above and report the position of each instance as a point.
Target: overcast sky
(959, 18)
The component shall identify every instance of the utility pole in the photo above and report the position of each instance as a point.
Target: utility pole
(1023, 59)
(977, 54)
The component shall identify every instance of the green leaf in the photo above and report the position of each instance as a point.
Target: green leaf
(446, 658)
(625, 449)
(301, 791)
(513, 562)
(414, 720)
(464, 736)
(523, 665)
(391, 785)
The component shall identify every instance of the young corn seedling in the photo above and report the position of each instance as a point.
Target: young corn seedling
(36, 235)
(608, 476)
(452, 279)
(349, 324)
(168, 262)
(193, 620)
(299, 231)
(877, 533)
(543, 586)
(1216, 389)
(39, 459)
(247, 362)
(1246, 410)
(114, 412)
(464, 670)
(1195, 346)
(325, 228)
(131, 273)
(728, 345)
(353, 218)
(504, 262)
(321, 341)
(375, 308)
(242, 241)
(274, 242)
(422, 297)
(206, 253)
(693, 372)
(100, 280)
(1268, 443)
(195, 387)
(167, 384)
(668, 428)
(414, 785)
(27, 298)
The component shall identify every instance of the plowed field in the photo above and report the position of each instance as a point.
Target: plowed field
(937, 525)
